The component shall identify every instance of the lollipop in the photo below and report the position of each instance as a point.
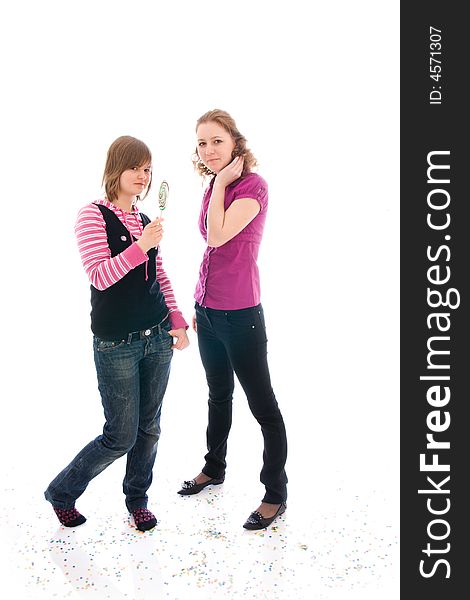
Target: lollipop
(163, 196)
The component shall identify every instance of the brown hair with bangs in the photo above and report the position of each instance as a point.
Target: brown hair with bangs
(126, 152)
(222, 118)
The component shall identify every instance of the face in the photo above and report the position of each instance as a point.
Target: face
(133, 182)
(214, 146)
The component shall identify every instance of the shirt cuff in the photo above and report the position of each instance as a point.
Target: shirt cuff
(134, 255)
(177, 320)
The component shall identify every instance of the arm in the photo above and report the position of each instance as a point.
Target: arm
(178, 324)
(102, 269)
(223, 225)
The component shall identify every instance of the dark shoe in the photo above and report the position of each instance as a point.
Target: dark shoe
(257, 521)
(191, 487)
(144, 519)
(69, 517)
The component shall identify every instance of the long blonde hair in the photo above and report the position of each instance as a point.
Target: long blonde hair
(222, 118)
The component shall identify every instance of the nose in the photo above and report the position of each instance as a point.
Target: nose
(209, 150)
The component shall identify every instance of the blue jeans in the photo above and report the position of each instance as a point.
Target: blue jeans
(132, 379)
(234, 341)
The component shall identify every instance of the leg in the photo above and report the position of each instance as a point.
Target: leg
(118, 382)
(154, 371)
(219, 375)
(247, 349)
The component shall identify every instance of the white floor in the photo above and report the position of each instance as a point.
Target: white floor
(341, 549)
(199, 550)
(338, 538)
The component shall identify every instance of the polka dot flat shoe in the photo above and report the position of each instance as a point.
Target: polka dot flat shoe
(144, 520)
(69, 517)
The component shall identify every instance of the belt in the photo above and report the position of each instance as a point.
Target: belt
(146, 333)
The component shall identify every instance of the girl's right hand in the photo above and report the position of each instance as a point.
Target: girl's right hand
(194, 323)
(230, 173)
(152, 235)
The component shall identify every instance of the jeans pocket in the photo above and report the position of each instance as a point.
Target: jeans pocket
(244, 319)
(261, 324)
(107, 346)
(161, 345)
(260, 317)
(248, 321)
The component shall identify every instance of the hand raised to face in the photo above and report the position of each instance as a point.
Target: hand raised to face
(231, 172)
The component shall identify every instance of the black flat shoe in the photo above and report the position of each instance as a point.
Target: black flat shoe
(191, 487)
(257, 521)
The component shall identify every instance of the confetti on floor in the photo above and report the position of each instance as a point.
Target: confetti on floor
(200, 550)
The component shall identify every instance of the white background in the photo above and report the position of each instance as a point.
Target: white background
(314, 88)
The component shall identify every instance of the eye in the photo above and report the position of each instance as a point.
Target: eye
(218, 141)
(201, 144)
(148, 170)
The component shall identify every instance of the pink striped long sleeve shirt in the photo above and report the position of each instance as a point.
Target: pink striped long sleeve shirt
(104, 270)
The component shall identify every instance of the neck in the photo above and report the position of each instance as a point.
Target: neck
(125, 202)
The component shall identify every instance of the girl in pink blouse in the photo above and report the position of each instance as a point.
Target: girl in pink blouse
(229, 318)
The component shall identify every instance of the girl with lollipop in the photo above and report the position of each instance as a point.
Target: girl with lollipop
(134, 319)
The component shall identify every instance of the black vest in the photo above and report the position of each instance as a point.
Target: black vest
(132, 303)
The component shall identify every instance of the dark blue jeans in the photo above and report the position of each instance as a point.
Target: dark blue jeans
(132, 379)
(234, 341)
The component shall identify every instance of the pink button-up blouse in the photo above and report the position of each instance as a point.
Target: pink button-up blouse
(229, 276)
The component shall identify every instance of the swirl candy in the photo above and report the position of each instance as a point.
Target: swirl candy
(163, 193)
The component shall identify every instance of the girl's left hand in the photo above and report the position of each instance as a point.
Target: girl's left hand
(182, 340)
(231, 172)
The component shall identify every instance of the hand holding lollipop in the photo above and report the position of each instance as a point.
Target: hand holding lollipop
(163, 193)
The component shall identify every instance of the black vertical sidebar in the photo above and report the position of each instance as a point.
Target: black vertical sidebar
(434, 306)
